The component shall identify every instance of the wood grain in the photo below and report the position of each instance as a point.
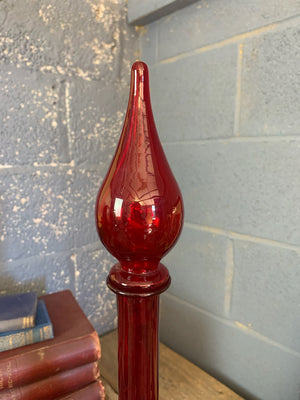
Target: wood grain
(179, 379)
(109, 358)
(110, 393)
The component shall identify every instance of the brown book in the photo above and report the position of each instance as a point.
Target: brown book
(94, 391)
(75, 343)
(56, 385)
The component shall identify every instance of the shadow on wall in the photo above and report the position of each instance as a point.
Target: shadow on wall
(210, 344)
(9, 285)
(40, 273)
(210, 356)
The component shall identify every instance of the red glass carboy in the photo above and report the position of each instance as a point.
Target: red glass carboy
(139, 216)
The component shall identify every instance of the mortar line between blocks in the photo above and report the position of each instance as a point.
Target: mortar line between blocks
(229, 274)
(238, 90)
(7, 166)
(235, 324)
(29, 169)
(139, 51)
(157, 29)
(233, 39)
(235, 139)
(243, 236)
(95, 246)
(68, 116)
(77, 273)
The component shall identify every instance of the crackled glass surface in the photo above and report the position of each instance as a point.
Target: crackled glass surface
(139, 208)
(139, 216)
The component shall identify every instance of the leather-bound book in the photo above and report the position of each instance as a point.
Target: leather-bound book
(56, 385)
(75, 343)
(94, 391)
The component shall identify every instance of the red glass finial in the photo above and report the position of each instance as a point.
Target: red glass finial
(139, 208)
(139, 216)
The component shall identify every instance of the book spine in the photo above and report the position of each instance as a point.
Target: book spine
(29, 336)
(17, 323)
(17, 311)
(56, 385)
(40, 363)
(94, 391)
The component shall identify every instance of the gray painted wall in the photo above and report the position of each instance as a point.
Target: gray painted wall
(225, 91)
(64, 76)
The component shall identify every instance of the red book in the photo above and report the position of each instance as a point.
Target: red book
(55, 385)
(94, 391)
(75, 343)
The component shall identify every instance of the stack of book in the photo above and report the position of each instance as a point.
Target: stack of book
(23, 320)
(62, 361)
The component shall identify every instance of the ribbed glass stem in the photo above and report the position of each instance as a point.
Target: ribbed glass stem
(138, 347)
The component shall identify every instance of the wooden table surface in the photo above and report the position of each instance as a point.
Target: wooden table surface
(179, 379)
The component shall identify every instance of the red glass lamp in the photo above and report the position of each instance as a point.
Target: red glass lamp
(139, 216)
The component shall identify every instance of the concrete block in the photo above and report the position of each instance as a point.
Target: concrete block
(145, 11)
(129, 49)
(194, 97)
(4, 8)
(32, 118)
(46, 210)
(86, 184)
(266, 291)
(249, 187)
(70, 38)
(209, 22)
(197, 266)
(98, 117)
(43, 274)
(148, 43)
(97, 301)
(254, 368)
(270, 83)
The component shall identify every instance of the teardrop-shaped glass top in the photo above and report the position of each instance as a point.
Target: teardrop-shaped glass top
(139, 207)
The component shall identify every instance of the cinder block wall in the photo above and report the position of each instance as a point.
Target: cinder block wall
(225, 87)
(64, 76)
